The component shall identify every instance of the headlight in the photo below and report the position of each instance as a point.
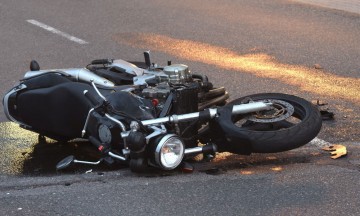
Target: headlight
(169, 152)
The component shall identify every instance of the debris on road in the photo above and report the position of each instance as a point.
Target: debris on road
(326, 115)
(336, 151)
(318, 67)
(320, 143)
(277, 169)
(324, 110)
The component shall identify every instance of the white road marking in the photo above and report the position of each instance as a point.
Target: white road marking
(345, 5)
(56, 31)
(319, 143)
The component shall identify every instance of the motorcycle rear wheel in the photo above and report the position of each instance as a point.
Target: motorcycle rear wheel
(294, 123)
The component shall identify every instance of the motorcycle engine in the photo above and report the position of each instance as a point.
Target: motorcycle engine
(160, 91)
(175, 74)
(176, 79)
(178, 73)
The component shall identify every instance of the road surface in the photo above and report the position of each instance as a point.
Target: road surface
(248, 46)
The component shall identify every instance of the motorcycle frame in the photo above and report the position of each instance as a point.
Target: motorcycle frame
(157, 124)
(206, 114)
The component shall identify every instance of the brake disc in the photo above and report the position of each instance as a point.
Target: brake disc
(281, 111)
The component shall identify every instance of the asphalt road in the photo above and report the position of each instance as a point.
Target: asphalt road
(247, 46)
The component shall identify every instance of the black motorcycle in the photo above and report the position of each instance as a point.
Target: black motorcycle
(146, 115)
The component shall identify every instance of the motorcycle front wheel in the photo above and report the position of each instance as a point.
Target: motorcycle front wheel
(291, 123)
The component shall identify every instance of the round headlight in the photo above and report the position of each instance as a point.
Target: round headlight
(169, 152)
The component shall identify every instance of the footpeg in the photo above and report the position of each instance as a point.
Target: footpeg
(66, 162)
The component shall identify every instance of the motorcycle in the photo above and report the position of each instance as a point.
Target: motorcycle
(150, 116)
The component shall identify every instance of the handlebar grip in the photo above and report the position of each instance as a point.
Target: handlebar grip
(147, 58)
(101, 61)
(94, 141)
(98, 144)
(91, 98)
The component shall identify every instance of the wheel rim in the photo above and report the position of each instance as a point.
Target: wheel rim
(284, 115)
(282, 110)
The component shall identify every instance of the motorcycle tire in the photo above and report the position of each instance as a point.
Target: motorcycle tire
(276, 136)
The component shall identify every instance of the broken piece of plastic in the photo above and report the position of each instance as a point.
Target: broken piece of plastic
(336, 151)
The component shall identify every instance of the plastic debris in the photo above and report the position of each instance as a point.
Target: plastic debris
(324, 111)
(336, 151)
(326, 115)
(277, 169)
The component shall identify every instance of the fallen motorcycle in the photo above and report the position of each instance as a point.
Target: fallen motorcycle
(146, 115)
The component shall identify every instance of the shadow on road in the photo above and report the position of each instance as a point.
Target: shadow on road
(25, 153)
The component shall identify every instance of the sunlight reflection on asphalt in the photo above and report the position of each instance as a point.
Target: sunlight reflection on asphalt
(22, 152)
(260, 64)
